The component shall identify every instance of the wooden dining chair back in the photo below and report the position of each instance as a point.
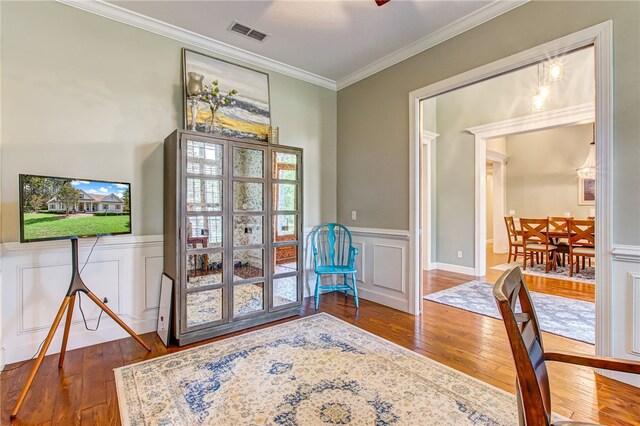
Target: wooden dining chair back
(515, 240)
(532, 379)
(581, 236)
(535, 239)
(558, 226)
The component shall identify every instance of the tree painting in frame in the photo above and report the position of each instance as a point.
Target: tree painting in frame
(586, 192)
(244, 114)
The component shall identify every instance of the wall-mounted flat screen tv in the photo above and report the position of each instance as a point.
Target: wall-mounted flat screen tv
(53, 208)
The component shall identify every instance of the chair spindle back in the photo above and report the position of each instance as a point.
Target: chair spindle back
(331, 245)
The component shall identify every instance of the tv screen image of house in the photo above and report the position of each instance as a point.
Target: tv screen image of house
(53, 208)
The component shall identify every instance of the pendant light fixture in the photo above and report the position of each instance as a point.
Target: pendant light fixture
(555, 71)
(542, 93)
(588, 169)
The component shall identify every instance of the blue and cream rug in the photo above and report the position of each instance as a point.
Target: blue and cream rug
(566, 317)
(586, 275)
(316, 370)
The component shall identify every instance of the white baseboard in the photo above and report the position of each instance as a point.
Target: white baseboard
(398, 303)
(2, 358)
(430, 266)
(455, 268)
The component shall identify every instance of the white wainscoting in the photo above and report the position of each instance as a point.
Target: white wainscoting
(127, 271)
(382, 264)
(625, 308)
(124, 269)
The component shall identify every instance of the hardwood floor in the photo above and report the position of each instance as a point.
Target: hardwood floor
(84, 391)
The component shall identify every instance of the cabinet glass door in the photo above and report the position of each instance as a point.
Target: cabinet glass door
(285, 228)
(204, 285)
(248, 231)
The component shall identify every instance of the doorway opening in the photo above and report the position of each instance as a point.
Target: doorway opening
(439, 248)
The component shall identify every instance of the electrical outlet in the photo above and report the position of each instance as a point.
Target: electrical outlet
(354, 214)
(459, 254)
(512, 212)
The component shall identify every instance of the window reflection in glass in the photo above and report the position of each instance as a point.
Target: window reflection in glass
(204, 158)
(285, 196)
(204, 195)
(285, 166)
(204, 232)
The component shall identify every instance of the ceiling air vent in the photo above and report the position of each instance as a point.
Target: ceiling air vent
(245, 30)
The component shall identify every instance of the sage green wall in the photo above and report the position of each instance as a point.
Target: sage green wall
(85, 96)
(373, 121)
(541, 172)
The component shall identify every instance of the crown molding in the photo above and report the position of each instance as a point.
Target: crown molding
(567, 116)
(480, 16)
(428, 136)
(125, 16)
(165, 29)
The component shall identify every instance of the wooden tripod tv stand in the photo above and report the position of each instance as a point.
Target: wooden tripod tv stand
(75, 286)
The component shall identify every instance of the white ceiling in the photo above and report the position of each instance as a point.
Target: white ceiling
(337, 40)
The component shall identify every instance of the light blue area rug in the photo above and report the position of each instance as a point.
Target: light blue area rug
(585, 275)
(570, 318)
(316, 370)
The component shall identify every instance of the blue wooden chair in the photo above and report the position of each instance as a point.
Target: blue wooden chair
(334, 254)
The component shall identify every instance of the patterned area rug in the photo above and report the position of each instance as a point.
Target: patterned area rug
(316, 370)
(570, 318)
(586, 275)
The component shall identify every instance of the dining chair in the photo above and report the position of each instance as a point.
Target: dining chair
(334, 254)
(533, 392)
(515, 240)
(558, 226)
(535, 238)
(582, 242)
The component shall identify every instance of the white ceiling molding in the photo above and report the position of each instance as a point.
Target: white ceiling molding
(492, 10)
(125, 16)
(155, 26)
(567, 116)
(428, 136)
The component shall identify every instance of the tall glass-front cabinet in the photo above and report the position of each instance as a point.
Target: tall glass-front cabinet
(232, 233)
